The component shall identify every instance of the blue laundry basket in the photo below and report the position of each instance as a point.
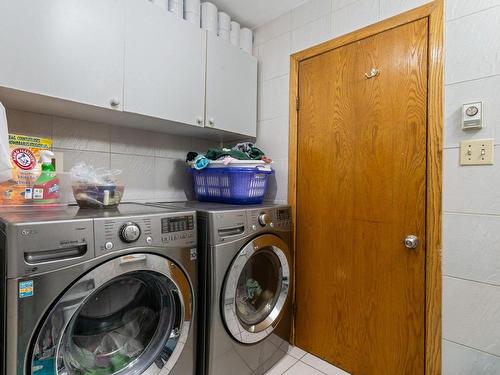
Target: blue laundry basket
(234, 185)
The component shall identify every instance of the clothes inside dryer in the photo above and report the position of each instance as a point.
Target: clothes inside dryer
(259, 287)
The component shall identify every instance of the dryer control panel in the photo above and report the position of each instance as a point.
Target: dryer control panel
(279, 218)
(160, 230)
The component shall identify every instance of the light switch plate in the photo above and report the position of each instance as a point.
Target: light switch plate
(477, 152)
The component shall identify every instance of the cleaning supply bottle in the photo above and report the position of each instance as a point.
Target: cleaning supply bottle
(47, 187)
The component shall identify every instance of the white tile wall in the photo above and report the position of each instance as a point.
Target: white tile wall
(357, 14)
(315, 32)
(389, 8)
(273, 58)
(273, 98)
(472, 250)
(472, 314)
(472, 46)
(152, 163)
(310, 11)
(471, 194)
(459, 8)
(468, 361)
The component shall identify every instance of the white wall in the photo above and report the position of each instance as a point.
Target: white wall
(153, 163)
(471, 264)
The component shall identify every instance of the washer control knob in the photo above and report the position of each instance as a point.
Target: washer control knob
(130, 232)
(108, 245)
(264, 219)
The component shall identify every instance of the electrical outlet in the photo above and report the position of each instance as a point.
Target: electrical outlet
(477, 152)
(58, 161)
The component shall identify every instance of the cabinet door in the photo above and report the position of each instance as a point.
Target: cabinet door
(231, 88)
(164, 65)
(69, 49)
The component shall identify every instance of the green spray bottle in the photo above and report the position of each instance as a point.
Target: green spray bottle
(47, 187)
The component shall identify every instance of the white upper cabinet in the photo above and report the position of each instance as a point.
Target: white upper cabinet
(231, 99)
(125, 62)
(164, 65)
(70, 49)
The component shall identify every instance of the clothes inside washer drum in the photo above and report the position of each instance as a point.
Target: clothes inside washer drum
(259, 286)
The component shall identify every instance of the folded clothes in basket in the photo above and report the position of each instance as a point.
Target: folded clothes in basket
(241, 152)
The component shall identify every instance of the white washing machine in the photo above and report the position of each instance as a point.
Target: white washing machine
(246, 266)
(99, 291)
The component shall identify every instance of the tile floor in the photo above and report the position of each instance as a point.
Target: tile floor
(299, 362)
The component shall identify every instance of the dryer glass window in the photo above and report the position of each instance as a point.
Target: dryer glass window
(259, 287)
(121, 325)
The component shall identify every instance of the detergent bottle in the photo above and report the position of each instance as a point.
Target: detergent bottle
(46, 189)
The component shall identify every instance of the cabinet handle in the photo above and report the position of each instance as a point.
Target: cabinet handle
(199, 120)
(211, 122)
(114, 102)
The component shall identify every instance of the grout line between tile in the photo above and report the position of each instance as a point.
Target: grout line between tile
(471, 14)
(472, 79)
(472, 281)
(275, 77)
(294, 363)
(471, 213)
(309, 365)
(471, 347)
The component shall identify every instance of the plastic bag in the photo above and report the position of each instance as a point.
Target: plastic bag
(83, 174)
(5, 165)
(96, 187)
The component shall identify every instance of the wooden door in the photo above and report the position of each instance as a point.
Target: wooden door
(361, 182)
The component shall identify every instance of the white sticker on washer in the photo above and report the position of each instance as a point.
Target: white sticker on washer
(194, 254)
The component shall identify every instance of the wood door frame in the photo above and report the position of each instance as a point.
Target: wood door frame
(433, 275)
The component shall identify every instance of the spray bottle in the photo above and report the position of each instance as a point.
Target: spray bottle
(47, 189)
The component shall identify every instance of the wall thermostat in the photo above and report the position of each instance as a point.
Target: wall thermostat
(472, 116)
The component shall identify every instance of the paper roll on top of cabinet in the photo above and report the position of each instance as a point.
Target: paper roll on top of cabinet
(161, 3)
(234, 35)
(176, 7)
(224, 25)
(192, 6)
(224, 21)
(192, 11)
(246, 40)
(209, 17)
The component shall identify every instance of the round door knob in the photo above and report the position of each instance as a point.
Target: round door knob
(411, 241)
(264, 219)
(130, 232)
(114, 102)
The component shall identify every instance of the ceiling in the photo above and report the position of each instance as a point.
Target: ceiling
(252, 13)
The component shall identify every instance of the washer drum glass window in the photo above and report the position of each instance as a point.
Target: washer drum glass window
(127, 316)
(256, 289)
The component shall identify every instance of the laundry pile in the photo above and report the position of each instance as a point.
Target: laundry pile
(242, 151)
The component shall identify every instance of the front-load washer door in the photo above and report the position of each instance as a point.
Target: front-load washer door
(130, 315)
(256, 289)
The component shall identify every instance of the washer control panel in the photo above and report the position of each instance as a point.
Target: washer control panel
(157, 230)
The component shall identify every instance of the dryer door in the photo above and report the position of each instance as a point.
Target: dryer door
(256, 289)
(130, 315)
